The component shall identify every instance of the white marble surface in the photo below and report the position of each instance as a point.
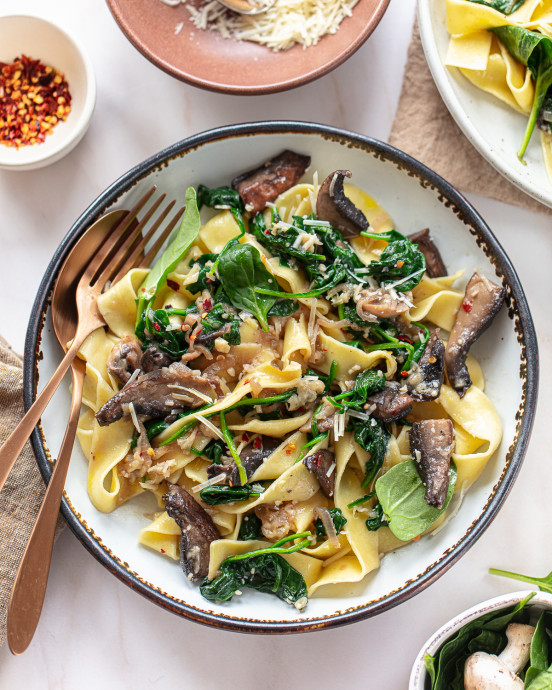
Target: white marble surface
(95, 632)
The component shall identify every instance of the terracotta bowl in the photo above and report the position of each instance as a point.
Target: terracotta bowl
(416, 198)
(205, 59)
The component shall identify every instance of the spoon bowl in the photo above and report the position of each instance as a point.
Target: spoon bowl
(248, 6)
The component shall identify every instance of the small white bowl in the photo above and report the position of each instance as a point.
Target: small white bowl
(419, 678)
(41, 40)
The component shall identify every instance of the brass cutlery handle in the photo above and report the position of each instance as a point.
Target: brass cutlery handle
(12, 447)
(29, 587)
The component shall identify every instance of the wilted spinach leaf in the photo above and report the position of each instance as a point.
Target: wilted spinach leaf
(504, 6)
(205, 280)
(264, 570)
(400, 263)
(221, 493)
(250, 527)
(220, 197)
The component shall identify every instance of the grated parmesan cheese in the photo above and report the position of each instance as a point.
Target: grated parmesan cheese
(282, 25)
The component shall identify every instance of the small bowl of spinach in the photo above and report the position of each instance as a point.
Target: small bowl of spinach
(501, 642)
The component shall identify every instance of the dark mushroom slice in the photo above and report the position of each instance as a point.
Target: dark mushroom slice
(198, 531)
(431, 442)
(125, 358)
(322, 465)
(207, 339)
(153, 358)
(263, 185)
(426, 377)
(333, 206)
(481, 303)
(373, 304)
(435, 266)
(159, 393)
(391, 403)
(252, 458)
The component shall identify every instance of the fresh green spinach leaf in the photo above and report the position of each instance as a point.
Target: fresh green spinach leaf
(169, 259)
(241, 272)
(543, 583)
(401, 493)
(401, 263)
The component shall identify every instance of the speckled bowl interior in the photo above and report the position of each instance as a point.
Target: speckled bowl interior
(416, 198)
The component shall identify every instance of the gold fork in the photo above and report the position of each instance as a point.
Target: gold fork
(29, 587)
(119, 249)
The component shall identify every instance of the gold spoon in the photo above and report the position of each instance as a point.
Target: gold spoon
(248, 6)
(29, 587)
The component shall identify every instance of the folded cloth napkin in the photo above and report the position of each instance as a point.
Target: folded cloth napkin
(424, 128)
(23, 491)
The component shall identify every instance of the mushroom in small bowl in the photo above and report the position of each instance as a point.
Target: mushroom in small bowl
(503, 643)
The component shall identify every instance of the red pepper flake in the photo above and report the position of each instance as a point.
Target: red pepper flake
(467, 305)
(267, 232)
(163, 551)
(157, 327)
(207, 305)
(399, 264)
(209, 280)
(34, 99)
(245, 437)
(173, 285)
(404, 374)
(247, 380)
(257, 443)
(288, 451)
(405, 339)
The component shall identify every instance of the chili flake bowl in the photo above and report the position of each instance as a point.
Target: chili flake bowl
(419, 678)
(41, 40)
(416, 198)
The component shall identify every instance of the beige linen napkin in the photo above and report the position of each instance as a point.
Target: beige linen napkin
(23, 491)
(424, 129)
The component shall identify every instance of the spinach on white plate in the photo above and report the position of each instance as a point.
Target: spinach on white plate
(534, 50)
(179, 244)
(264, 570)
(401, 494)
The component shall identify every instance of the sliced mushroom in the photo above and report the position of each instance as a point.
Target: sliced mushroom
(159, 393)
(426, 377)
(262, 185)
(482, 302)
(431, 442)
(333, 206)
(125, 357)
(251, 458)
(483, 671)
(391, 403)
(373, 304)
(322, 465)
(153, 358)
(198, 531)
(435, 266)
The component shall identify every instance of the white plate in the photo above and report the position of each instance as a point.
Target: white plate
(416, 198)
(493, 128)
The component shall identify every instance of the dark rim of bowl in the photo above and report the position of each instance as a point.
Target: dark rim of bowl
(256, 89)
(518, 309)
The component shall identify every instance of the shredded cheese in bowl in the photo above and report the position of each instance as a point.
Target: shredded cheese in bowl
(284, 24)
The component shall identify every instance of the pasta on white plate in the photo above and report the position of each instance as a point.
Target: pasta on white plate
(294, 386)
(503, 48)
